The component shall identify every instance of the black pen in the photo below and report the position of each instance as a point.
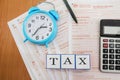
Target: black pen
(70, 10)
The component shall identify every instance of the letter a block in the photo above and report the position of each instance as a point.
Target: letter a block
(53, 61)
(68, 61)
(83, 61)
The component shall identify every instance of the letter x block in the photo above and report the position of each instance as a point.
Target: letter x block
(83, 61)
(53, 61)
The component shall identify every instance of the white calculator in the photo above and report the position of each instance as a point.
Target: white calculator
(110, 45)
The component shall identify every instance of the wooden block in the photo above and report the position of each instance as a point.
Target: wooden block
(67, 61)
(83, 61)
(53, 61)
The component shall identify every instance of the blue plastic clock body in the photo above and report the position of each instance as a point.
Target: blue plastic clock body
(54, 17)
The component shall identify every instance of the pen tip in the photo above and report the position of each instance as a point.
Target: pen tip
(76, 21)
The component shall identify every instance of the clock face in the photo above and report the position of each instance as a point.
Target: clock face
(39, 26)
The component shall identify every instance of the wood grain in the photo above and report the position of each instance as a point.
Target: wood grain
(12, 66)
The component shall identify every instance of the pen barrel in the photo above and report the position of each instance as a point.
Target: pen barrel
(70, 10)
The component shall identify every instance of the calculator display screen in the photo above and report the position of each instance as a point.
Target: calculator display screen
(112, 30)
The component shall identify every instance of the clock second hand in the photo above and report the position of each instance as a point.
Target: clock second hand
(39, 28)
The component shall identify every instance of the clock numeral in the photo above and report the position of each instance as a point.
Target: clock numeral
(32, 21)
(37, 37)
(37, 17)
(30, 31)
(42, 17)
(47, 34)
(42, 37)
(47, 19)
(50, 24)
(29, 25)
(50, 29)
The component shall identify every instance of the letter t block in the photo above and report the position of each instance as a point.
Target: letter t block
(53, 61)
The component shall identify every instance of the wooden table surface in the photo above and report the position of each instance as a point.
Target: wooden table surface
(12, 66)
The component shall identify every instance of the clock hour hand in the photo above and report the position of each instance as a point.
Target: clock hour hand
(43, 26)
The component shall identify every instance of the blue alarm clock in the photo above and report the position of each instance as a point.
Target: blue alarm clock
(40, 26)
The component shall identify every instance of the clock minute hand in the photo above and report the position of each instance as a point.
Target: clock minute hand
(39, 28)
(36, 31)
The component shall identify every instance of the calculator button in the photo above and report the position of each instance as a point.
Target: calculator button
(105, 61)
(111, 67)
(105, 55)
(117, 50)
(111, 56)
(111, 40)
(111, 50)
(117, 40)
(105, 50)
(111, 45)
(117, 62)
(105, 45)
(117, 56)
(105, 40)
(117, 45)
(105, 66)
(111, 61)
(117, 67)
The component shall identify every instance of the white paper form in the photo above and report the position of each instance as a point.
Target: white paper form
(34, 56)
(85, 34)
